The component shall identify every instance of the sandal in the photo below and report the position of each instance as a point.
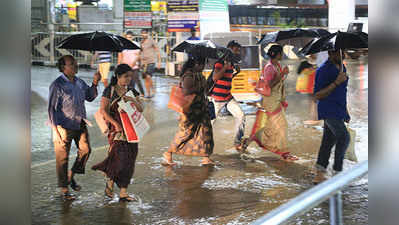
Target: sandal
(127, 199)
(109, 192)
(288, 157)
(67, 196)
(244, 145)
(167, 159)
(75, 186)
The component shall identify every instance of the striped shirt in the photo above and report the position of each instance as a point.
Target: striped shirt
(222, 90)
(104, 56)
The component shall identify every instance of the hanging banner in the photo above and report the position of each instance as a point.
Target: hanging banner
(182, 22)
(211, 5)
(158, 7)
(138, 20)
(137, 5)
(182, 6)
(137, 14)
(214, 16)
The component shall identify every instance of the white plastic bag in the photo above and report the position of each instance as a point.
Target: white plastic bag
(140, 124)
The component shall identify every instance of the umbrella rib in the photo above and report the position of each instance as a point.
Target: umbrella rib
(92, 39)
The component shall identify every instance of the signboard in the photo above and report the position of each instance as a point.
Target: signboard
(211, 5)
(182, 6)
(137, 5)
(158, 7)
(214, 16)
(181, 25)
(72, 11)
(137, 14)
(312, 2)
(138, 19)
(182, 22)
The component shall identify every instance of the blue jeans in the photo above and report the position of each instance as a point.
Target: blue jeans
(335, 133)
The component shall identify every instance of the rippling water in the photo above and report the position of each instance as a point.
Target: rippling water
(235, 191)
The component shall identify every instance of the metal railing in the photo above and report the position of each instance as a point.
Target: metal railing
(330, 189)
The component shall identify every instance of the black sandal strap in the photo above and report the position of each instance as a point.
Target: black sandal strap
(75, 186)
(68, 196)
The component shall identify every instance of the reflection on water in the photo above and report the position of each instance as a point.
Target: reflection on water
(236, 191)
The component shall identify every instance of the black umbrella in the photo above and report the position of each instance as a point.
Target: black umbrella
(296, 37)
(97, 41)
(200, 48)
(336, 41)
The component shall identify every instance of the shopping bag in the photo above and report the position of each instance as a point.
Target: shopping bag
(350, 152)
(305, 81)
(176, 99)
(211, 110)
(128, 128)
(98, 116)
(136, 120)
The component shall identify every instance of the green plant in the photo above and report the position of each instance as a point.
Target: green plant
(276, 15)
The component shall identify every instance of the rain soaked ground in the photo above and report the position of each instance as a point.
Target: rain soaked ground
(235, 191)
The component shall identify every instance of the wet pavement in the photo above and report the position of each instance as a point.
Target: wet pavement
(235, 191)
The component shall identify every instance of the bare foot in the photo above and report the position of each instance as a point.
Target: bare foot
(167, 159)
(207, 161)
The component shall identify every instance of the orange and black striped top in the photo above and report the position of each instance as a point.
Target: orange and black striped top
(222, 90)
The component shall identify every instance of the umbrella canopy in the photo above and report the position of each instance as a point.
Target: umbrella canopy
(200, 48)
(336, 41)
(296, 37)
(187, 45)
(97, 41)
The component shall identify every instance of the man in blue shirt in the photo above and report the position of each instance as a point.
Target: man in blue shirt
(331, 91)
(193, 33)
(67, 116)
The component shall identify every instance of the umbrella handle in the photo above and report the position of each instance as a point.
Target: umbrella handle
(342, 62)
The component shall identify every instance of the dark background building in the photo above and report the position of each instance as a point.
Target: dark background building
(285, 13)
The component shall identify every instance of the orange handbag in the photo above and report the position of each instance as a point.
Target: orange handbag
(176, 99)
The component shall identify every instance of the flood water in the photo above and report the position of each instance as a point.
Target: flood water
(235, 191)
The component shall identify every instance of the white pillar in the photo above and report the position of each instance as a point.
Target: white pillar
(340, 14)
(117, 9)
